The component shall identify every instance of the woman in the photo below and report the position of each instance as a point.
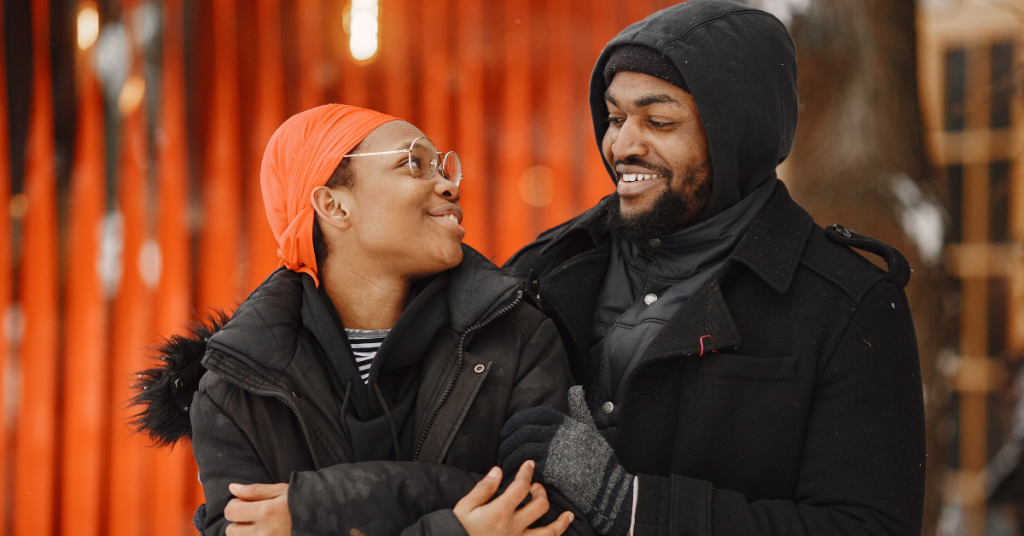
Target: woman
(381, 340)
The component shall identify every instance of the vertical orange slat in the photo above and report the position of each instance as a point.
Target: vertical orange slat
(560, 92)
(270, 113)
(355, 89)
(595, 183)
(170, 513)
(513, 227)
(637, 10)
(394, 52)
(132, 319)
(435, 108)
(218, 244)
(35, 444)
(85, 318)
(6, 273)
(311, 52)
(470, 124)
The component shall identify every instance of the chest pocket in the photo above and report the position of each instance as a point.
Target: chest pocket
(746, 367)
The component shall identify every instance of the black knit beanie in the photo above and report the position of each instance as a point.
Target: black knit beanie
(644, 60)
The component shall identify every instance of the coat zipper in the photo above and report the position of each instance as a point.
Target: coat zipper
(284, 400)
(458, 369)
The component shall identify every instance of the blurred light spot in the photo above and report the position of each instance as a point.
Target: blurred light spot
(131, 94)
(537, 186)
(14, 324)
(783, 9)
(18, 206)
(363, 28)
(150, 263)
(109, 265)
(113, 56)
(88, 26)
(145, 23)
(921, 219)
(14, 328)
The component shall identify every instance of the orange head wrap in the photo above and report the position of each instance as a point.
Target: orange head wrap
(301, 156)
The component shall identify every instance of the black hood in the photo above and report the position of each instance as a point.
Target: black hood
(740, 66)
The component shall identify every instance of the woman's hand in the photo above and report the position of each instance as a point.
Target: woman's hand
(500, 517)
(258, 509)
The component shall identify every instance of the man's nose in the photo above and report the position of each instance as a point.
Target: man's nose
(630, 141)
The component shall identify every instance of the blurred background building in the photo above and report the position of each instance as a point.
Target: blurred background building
(970, 61)
(132, 131)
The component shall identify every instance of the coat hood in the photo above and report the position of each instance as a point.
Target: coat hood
(740, 66)
(163, 393)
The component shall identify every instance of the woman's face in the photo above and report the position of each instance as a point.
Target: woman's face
(408, 225)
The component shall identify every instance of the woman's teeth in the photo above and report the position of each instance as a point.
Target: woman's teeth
(634, 177)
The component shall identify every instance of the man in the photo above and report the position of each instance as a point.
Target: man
(747, 373)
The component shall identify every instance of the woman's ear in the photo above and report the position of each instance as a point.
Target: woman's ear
(332, 206)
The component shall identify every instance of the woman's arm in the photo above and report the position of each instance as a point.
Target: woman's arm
(407, 498)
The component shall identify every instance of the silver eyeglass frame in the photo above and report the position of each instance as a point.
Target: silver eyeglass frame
(435, 165)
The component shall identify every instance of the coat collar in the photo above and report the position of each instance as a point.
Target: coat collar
(771, 247)
(263, 333)
(590, 223)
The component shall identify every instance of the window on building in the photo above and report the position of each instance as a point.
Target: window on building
(999, 201)
(1002, 84)
(954, 201)
(956, 88)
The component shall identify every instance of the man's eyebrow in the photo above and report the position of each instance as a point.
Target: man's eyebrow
(608, 97)
(656, 98)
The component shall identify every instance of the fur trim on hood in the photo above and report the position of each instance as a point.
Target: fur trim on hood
(163, 393)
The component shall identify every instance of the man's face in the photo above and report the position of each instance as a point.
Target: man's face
(657, 145)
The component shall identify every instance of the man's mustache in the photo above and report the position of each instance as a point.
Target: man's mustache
(634, 160)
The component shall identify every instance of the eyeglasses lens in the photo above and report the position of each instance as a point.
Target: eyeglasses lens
(451, 168)
(423, 159)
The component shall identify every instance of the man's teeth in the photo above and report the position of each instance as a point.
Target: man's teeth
(452, 217)
(634, 177)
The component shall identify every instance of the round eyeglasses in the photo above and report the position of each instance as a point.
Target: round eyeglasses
(424, 160)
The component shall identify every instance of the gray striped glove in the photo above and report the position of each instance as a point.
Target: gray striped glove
(573, 457)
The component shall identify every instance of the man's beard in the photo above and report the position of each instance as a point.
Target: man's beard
(667, 214)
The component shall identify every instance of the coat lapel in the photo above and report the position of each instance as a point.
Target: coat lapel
(771, 249)
(703, 324)
(569, 294)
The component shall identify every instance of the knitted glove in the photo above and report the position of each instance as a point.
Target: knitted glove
(572, 456)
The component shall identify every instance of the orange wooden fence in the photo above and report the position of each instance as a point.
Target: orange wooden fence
(160, 216)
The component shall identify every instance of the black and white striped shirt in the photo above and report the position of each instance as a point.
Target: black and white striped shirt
(365, 344)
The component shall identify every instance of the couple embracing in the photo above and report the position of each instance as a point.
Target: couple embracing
(687, 357)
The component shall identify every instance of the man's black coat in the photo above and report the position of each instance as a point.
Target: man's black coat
(784, 397)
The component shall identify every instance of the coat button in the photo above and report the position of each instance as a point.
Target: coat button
(650, 298)
(607, 408)
(479, 368)
(654, 243)
(178, 384)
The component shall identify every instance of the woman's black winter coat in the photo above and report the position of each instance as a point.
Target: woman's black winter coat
(282, 401)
